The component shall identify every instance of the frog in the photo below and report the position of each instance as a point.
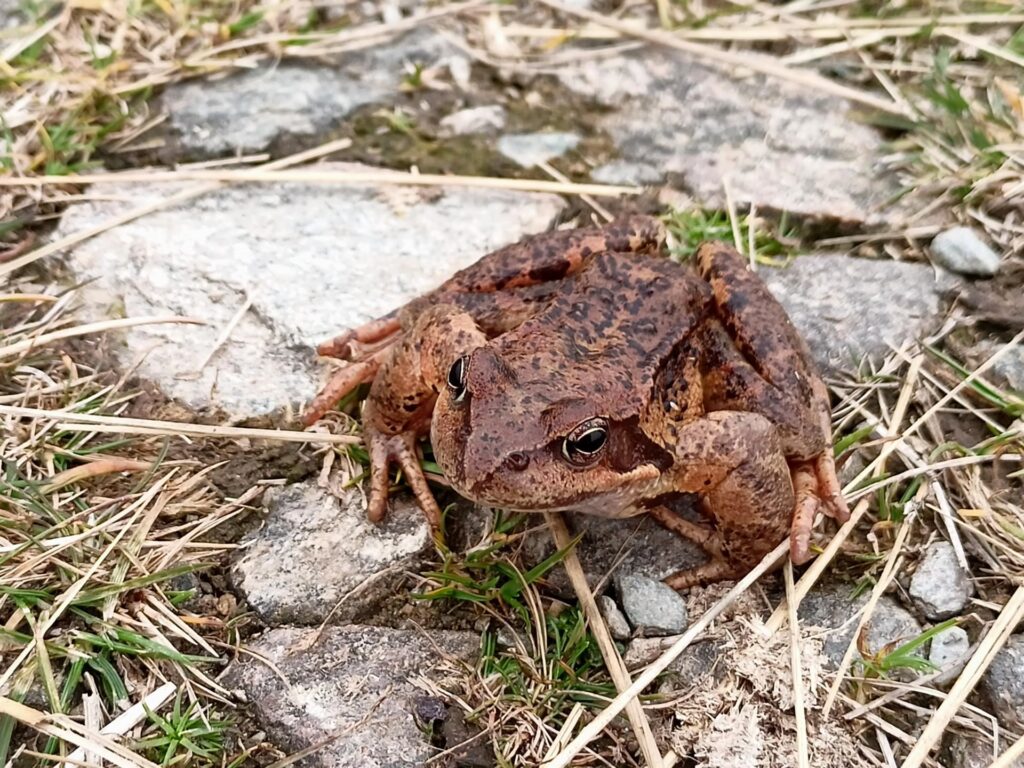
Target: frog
(583, 370)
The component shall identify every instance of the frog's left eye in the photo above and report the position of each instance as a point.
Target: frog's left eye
(457, 379)
(586, 440)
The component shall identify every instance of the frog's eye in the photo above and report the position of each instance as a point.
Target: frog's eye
(586, 440)
(457, 379)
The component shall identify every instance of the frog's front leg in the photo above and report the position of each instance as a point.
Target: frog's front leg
(398, 409)
(736, 462)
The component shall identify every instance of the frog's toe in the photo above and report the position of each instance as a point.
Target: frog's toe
(805, 488)
(831, 494)
(401, 449)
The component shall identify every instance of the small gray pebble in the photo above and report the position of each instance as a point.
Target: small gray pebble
(652, 607)
(617, 624)
(961, 250)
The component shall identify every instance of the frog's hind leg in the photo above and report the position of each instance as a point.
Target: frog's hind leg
(758, 352)
(717, 568)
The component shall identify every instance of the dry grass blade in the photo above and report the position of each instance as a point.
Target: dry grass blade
(613, 662)
(68, 420)
(1010, 757)
(64, 728)
(1000, 631)
(802, 747)
(892, 567)
(591, 731)
(20, 347)
(179, 197)
(128, 719)
(322, 176)
(763, 65)
(817, 568)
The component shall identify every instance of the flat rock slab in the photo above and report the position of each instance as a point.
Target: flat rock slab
(849, 309)
(312, 260)
(317, 556)
(351, 687)
(288, 106)
(780, 146)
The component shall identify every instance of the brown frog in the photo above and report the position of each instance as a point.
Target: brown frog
(580, 370)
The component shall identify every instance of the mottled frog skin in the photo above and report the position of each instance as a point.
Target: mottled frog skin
(582, 370)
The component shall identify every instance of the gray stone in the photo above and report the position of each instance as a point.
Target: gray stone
(940, 587)
(475, 120)
(1011, 368)
(637, 545)
(528, 149)
(653, 607)
(960, 250)
(313, 260)
(960, 751)
(693, 663)
(624, 172)
(617, 624)
(831, 607)
(1003, 683)
(848, 309)
(12, 14)
(348, 691)
(251, 111)
(317, 555)
(781, 146)
(948, 647)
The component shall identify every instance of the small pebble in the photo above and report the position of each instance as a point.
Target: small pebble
(949, 646)
(940, 587)
(652, 607)
(617, 624)
(961, 250)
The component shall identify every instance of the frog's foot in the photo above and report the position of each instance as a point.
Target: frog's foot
(716, 569)
(816, 487)
(708, 573)
(373, 332)
(402, 449)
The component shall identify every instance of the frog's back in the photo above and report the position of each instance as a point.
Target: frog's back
(612, 327)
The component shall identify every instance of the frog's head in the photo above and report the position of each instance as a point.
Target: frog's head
(521, 433)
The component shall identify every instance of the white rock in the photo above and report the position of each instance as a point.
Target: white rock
(775, 144)
(528, 149)
(475, 120)
(314, 549)
(313, 260)
(940, 587)
(249, 111)
(307, 685)
(961, 250)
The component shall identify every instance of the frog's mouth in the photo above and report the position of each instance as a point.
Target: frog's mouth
(599, 491)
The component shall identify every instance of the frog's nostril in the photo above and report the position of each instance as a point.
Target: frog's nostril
(518, 461)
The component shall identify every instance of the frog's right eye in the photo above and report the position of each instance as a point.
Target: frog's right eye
(457, 379)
